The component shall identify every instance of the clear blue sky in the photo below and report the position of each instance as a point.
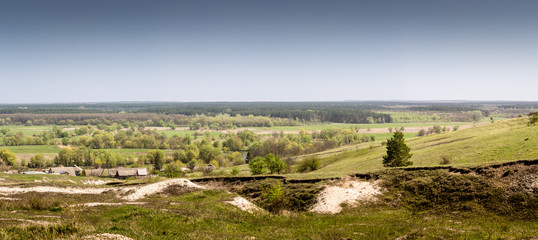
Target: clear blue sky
(254, 50)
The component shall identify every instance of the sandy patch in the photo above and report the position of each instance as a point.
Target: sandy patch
(66, 190)
(94, 182)
(157, 128)
(330, 200)
(94, 204)
(37, 222)
(142, 191)
(107, 236)
(8, 198)
(130, 193)
(244, 205)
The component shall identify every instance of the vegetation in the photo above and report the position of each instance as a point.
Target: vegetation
(308, 165)
(502, 141)
(533, 118)
(156, 157)
(270, 162)
(7, 157)
(397, 152)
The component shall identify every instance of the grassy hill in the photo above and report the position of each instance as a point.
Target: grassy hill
(501, 141)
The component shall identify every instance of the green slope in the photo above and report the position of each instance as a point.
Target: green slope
(501, 141)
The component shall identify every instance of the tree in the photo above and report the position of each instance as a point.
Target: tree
(7, 157)
(173, 169)
(397, 152)
(274, 163)
(256, 165)
(65, 157)
(37, 161)
(156, 157)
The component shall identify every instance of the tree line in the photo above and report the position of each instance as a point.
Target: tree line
(128, 120)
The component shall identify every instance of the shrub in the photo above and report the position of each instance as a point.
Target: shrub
(256, 165)
(274, 163)
(443, 191)
(533, 118)
(235, 171)
(308, 165)
(37, 161)
(7, 157)
(295, 196)
(445, 160)
(274, 198)
(173, 170)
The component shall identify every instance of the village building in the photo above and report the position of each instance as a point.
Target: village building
(71, 171)
(127, 172)
(94, 172)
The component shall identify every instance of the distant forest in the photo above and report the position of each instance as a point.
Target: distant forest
(181, 113)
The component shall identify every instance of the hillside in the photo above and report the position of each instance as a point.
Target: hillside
(501, 141)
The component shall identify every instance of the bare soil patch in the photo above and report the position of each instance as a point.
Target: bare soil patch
(244, 205)
(126, 193)
(138, 192)
(106, 236)
(349, 192)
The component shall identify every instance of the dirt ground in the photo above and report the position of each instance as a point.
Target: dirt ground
(345, 192)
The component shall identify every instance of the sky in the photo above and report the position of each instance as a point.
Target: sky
(258, 50)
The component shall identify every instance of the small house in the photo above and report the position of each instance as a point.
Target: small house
(126, 173)
(33, 172)
(94, 172)
(71, 171)
(141, 172)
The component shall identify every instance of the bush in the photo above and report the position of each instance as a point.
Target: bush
(274, 200)
(7, 157)
(173, 170)
(309, 165)
(235, 171)
(37, 161)
(443, 191)
(274, 163)
(256, 165)
(533, 118)
(445, 160)
(294, 196)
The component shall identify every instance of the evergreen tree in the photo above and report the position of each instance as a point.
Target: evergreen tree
(397, 152)
(156, 158)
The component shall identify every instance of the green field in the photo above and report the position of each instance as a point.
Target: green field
(501, 141)
(33, 149)
(28, 130)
